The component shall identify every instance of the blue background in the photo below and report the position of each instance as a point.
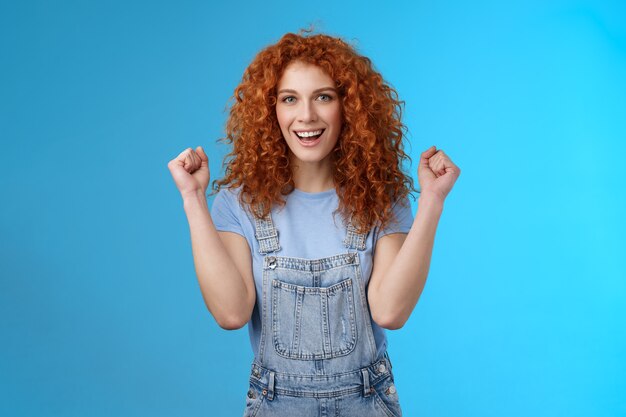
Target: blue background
(523, 312)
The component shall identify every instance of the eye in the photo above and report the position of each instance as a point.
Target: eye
(288, 99)
(325, 97)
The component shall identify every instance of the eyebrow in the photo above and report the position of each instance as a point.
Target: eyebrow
(287, 90)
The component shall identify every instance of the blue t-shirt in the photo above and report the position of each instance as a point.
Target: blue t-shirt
(307, 229)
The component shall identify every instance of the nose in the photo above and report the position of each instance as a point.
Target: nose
(307, 113)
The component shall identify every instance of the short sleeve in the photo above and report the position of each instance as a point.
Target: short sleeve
(403, 219)
(226, 213)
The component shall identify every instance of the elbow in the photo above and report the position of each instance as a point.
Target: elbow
(390, 322)
(233, 319)
(231, 323)
(393, 324)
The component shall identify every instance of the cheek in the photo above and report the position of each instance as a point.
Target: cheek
(336, 120)
(334, 115)
(283, 119)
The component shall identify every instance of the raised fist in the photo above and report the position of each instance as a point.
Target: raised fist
(436, 172)
(190, 171)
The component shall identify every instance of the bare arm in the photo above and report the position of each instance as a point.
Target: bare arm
(223, 266)
(222, 259)
(401, 264)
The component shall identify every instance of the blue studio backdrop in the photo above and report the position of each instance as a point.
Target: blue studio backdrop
(523, 311)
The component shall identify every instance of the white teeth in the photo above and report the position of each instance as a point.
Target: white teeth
(309, 134)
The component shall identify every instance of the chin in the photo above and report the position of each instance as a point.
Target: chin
(308, 157)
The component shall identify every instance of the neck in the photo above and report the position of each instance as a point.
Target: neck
(313, 177)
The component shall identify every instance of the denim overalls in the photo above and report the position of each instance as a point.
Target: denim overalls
(317, 354)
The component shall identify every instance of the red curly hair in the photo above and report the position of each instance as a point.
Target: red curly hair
(368, 156)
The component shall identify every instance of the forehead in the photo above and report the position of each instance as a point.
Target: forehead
(303, 76)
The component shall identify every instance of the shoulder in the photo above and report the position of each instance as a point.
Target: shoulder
(401, 208)
(402, 202)
(401, 219)
(230, 192)
(226, 201)
(228, 196)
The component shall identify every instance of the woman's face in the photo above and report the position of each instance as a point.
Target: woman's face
(308, 111)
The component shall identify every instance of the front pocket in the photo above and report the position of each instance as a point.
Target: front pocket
(313, 322)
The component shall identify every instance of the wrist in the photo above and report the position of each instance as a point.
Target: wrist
(194, 197)
(432, 197)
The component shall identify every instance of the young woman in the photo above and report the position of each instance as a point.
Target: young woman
(311, 240)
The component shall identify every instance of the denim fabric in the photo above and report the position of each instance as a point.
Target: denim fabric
(317, 354)
(309, 227)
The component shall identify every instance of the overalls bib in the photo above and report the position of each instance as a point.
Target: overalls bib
(317, 353)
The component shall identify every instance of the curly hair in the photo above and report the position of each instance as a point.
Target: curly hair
(369, 153)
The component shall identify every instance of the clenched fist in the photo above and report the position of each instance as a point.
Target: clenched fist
(190, 171)
(436, 172)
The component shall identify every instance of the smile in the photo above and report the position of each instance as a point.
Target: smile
(309, 138)
(309, 134)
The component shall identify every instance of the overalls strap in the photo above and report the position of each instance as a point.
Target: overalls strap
(354, 240)
(267, 235)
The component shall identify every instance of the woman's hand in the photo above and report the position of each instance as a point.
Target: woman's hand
(436, 173)
(190, 171)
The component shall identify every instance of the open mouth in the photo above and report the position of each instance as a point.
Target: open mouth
(309, 136)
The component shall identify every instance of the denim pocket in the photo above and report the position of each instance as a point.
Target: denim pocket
(313, 322)
(386, 396)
